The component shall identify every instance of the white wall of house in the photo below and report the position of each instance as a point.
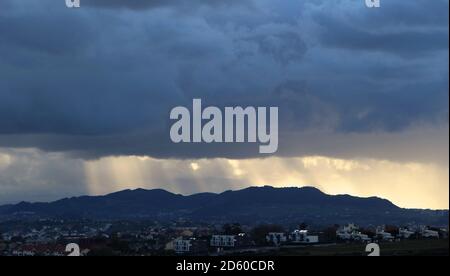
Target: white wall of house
(182, 246)
(302, 236)
(276, 238)
(223, 241)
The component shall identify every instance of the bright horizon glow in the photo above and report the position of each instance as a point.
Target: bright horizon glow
(408, 185)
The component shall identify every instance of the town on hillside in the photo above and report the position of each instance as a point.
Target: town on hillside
(51, 237)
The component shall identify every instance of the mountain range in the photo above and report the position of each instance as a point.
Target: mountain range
(252, 205)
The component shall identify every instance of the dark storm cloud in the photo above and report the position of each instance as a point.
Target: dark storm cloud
(417, 13)
(405, 28)
(99, 82)
(402, 43)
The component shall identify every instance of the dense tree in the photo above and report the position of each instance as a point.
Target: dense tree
(369, 232)
(303, 226)
(394, 230)
(232, 229)
(329, 234)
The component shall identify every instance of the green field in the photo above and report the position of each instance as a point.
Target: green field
(402, 248)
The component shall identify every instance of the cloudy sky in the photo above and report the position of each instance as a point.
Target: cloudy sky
(85, 96)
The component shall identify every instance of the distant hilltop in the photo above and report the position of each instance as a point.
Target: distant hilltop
(251, 205)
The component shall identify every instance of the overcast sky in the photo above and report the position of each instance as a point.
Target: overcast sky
(86, 93)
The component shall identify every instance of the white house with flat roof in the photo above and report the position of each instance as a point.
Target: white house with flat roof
(302, 236)
(276, 238)
(427, 233)
(405, 233)
(382, 234)
(223, 241)
(182, 245)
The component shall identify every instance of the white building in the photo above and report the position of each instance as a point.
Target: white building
(384, 235)
(301, 236)
(358, 236)
(404, 233)
(351, 232)
(349, 228)
(276, 238)
(343, 235)
(223, 241)
(427, 233)
(345, 232)
(182, 246)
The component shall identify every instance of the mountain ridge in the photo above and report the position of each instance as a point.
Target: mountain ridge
(249, 205)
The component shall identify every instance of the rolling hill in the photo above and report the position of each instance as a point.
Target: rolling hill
(251, 205)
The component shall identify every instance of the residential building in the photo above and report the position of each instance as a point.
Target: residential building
(223, 241)
(405, 233)
(276, 238)
(383, 235)
(182, 246)
(301, 236)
